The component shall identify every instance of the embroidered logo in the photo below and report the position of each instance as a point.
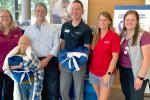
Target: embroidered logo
(106, 42)
(16, 36)
(78, 32)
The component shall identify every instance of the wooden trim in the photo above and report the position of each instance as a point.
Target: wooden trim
(96, 6)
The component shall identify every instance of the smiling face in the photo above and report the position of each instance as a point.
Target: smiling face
(5, 18)
(40, 13)
(131, 21)
(103, 22)
(23, 43)
(76, 11)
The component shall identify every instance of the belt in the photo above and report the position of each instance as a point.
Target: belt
(41, 58)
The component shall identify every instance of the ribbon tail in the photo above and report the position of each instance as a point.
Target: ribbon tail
(22, 77)
(64, 60)
(76, 64)
(29, 78)
(69, 63)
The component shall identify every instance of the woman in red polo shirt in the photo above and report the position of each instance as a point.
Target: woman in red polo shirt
(106, 48)
(9, 36)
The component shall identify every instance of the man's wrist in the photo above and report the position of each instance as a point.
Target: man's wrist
(141, 78)
(49, 57)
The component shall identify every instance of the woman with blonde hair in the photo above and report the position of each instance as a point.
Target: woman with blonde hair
(106, 47)
(9, 36)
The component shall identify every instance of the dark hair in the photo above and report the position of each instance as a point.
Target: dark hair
(78, 1)
(137, 27)
(41, 4)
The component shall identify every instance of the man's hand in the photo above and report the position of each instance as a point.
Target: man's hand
(44, 62)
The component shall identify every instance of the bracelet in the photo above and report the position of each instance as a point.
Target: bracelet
(141, 78)
(109, 73)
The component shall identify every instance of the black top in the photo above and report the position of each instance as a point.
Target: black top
(76, 36)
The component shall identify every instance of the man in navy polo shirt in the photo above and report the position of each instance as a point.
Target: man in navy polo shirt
(74, 34)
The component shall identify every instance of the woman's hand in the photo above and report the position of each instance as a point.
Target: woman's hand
(138, 84)
(105, 80)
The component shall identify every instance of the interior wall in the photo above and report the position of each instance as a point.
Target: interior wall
(97, 6)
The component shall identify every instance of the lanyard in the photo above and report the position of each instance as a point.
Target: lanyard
(126, 47)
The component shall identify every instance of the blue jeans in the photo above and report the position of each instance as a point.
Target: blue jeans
(127, 84)
(26, 91)
(51, 81)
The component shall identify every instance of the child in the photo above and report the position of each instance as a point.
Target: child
(23, 64)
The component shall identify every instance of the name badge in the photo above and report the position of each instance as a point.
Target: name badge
(67, 31)
(126, 50)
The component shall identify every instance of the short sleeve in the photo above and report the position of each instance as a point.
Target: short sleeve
(88, 36)
(145, 39)
(62, 32)
(115, 43)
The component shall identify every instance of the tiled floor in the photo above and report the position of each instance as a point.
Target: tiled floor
(116, 94)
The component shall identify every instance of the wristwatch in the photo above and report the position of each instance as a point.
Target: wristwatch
(141, 78)
(109, 73)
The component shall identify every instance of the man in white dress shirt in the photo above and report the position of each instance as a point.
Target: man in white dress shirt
(45, 41)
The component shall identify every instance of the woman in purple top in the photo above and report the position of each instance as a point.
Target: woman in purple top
(9, 36)
(134, 57)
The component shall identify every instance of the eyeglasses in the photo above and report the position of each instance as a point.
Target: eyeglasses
(2, 17)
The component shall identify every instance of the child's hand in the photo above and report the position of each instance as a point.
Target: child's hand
(20, 66)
